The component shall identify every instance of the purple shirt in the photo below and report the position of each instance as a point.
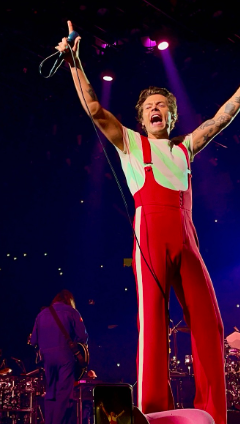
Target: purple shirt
(46, 333)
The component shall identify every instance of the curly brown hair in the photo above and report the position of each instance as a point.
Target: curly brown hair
(172, 102)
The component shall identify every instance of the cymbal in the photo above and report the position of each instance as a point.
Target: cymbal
(183, 329)
(5, 371)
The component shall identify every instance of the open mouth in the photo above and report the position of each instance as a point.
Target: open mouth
(156, 119)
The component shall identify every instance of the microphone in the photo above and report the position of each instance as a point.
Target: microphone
(71, 38)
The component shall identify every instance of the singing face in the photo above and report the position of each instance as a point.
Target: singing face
(156, 117)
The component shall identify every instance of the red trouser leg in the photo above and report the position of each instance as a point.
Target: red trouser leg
(153, 229)
(167, 239)
(203, 316)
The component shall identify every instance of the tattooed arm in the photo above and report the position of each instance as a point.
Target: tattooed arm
(104, 120)
(209, 129)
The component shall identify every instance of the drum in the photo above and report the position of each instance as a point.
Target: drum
(232, 373)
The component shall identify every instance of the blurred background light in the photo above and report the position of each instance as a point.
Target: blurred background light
(163, 45)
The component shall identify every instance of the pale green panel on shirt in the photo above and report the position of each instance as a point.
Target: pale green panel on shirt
(170, 165)
(133, 146)
(133, 174)
(161, 179)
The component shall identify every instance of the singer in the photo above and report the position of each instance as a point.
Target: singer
(157, 170)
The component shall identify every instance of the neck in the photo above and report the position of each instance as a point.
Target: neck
(158, 136)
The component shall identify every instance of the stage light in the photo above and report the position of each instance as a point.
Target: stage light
(107, 78)
(148, 43)
(45, 254)
(8, 254)
(60, 273)
(125, 288)
(107, 74)
(24, 254)
(15, 258)
(59, 269)
(163, 45)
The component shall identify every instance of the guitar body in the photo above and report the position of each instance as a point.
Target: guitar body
(81, 360)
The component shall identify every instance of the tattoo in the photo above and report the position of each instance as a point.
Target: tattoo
(222, 121)
(230, 109)
(237, 99)
(92, 93)
(206, 124)
(206, 138)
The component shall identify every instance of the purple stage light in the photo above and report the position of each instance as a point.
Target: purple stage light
(147, 42)
(163, 45)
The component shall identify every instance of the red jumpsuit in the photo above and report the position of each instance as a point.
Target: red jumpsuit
(168, 240)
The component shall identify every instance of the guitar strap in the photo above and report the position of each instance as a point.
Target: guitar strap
(73, 345)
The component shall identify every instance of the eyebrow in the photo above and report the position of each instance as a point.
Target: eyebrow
(160, 101)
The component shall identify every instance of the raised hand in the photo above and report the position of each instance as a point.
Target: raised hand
(63, 45)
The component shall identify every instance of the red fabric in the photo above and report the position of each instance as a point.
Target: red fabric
(169, 242)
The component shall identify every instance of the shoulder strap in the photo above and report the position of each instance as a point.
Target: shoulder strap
(147, 154)
(59, 323)
(184, 149)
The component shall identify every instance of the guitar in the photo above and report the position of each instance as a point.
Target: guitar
(81, 355)
(81, 360)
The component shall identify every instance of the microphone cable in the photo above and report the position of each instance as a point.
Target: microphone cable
(71, 37)
(55, 70)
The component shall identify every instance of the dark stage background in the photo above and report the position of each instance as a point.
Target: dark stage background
(60, 205)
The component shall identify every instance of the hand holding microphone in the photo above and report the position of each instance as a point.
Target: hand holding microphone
(64, 50)
(63, 47)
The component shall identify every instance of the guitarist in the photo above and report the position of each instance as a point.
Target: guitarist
(58, 359)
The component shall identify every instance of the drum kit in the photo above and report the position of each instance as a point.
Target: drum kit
(232, 369)
(19, 397)
(182, 377)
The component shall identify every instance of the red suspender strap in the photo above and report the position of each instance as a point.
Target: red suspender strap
(186, 154)
(147, 155)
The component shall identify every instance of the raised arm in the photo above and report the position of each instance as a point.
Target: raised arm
(210, 128)
(103, 409)
(104, 120)
(119, 415)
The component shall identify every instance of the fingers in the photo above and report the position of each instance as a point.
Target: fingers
(63, 45)
(70, 26)
(76, 44)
